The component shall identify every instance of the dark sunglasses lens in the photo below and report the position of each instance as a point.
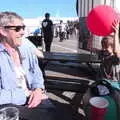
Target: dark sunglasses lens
(18, 28)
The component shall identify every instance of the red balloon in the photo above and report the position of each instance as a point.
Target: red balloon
(100, 19)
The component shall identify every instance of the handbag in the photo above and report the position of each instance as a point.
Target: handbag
(101, 88)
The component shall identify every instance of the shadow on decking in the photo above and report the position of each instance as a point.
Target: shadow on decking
(76, 70)
(66, 94)
(66, 86)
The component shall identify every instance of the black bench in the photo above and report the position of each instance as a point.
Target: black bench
(88, 59)
(36, 40)
(66, 84)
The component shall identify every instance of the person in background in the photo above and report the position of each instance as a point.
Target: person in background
(21, 80)
(56, 31)
(61, 31)
(47, 32)
(67, 30)
(110, 55)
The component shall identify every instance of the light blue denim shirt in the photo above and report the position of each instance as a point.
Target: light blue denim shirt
(9, 92)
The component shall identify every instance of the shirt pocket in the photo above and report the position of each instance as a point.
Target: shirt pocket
(8, 81)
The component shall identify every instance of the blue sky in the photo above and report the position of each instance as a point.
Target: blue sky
(36, 8)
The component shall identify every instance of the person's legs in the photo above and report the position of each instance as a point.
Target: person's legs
(44, 111)
(45, 42)
(48, 42)
(48, 46)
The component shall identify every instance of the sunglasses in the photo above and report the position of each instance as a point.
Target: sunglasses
(16, 28)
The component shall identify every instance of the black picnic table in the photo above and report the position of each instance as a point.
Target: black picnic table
(36, 40)
(67, 85)
(72, 57)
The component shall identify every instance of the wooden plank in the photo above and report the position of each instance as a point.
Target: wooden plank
(66, 85)
(70, 57)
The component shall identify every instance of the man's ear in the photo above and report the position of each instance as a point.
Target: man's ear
(3, 31)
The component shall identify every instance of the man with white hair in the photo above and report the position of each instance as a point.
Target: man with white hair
(21, 80)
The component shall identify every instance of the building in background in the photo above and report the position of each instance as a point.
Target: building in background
(83, 7)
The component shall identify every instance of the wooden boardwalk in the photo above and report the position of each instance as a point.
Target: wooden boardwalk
(69, 102)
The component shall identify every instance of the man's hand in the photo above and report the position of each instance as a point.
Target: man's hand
(39, 53)
(35, 98)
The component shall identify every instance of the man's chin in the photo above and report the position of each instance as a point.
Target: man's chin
(19, 43)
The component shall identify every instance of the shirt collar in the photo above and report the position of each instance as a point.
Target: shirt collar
(2, 48)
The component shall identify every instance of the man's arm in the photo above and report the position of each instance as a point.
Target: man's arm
(52, 27)
(38, 53)
(35, 50)
(116, 38)
(37, 84)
